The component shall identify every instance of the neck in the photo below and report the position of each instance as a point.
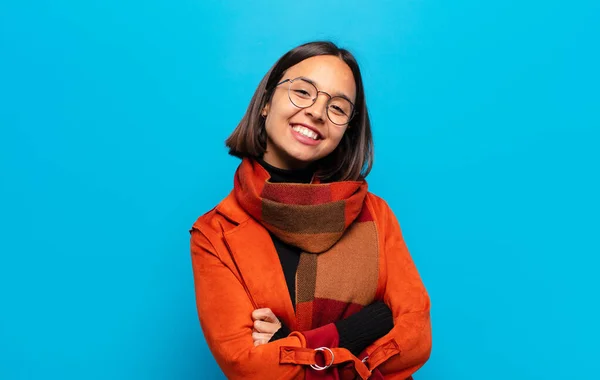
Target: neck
(278, 175)
(285, 164)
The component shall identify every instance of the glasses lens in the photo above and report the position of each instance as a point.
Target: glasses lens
(302, 93)
(339, 110)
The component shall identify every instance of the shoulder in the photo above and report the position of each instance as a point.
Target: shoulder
(226, 215)
(383, 215)
(378, 205)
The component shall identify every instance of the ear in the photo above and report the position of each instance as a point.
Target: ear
(265, 110)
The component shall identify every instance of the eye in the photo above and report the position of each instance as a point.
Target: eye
(337, 110)
(301, 92)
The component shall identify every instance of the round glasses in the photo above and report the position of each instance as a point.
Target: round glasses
(304, 94)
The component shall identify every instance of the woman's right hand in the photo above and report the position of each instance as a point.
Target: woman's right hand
(265, 325)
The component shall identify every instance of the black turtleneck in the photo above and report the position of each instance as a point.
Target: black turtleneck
(360, 329)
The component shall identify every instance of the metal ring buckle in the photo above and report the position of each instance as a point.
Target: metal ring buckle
(321, 368)
(365, 359)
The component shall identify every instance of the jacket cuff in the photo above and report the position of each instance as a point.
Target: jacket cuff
(333, 357)
(378, 356)
(324, 336)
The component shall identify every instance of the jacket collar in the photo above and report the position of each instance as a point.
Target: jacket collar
(231, 209)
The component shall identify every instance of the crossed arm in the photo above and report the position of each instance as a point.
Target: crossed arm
(232, 326)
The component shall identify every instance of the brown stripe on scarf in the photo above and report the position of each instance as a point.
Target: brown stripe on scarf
(348, 272)
(304, 219)
(305, 288)
(310, 243)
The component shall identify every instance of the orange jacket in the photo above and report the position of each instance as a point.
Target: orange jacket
(230, 284)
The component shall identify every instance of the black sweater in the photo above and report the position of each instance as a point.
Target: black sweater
(360, 329)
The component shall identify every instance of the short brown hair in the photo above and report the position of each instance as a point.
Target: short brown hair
(351, 160)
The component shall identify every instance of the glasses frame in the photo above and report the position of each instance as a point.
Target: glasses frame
(290, 81)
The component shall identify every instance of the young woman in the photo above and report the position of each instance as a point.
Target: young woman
(301, 272)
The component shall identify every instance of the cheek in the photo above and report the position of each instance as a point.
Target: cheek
(281, 107)
(278, 118)
(336, 135)
(334, 140)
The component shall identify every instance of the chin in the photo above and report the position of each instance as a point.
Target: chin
(303, 158)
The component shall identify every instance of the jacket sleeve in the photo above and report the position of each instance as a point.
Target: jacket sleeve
(225, 313)
(408, 344)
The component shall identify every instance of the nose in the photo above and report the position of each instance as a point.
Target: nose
(319, 107)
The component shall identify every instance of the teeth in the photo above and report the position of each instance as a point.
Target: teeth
(305, 132)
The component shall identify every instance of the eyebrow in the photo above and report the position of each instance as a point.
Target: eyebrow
(340, 94)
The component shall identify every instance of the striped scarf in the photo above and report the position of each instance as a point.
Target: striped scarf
(338, 268)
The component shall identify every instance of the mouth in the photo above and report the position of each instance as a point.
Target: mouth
(307, 131)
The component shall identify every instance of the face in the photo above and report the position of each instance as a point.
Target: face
(296, 136)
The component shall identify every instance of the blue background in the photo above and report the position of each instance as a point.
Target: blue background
(112, 121)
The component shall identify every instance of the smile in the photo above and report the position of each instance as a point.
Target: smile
(307, 132)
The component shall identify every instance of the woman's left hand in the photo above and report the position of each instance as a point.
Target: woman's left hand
(265, 325)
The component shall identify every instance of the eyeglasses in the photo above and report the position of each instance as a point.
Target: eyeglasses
(304, 94)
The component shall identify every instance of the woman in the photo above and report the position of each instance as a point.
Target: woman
(301, 272)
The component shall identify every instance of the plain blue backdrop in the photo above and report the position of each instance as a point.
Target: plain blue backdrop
(112, 121)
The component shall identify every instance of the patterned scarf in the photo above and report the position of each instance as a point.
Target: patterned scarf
(338, 269)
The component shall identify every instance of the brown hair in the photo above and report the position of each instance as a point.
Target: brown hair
(351, 160)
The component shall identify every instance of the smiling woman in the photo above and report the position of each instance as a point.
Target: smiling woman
(301, 272)
(287, 96)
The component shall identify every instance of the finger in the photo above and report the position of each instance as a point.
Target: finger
(271, 317)
(264, 314)
(261, 336)
(259, 342)
(263, 327)
(266, 327)
(259, 314)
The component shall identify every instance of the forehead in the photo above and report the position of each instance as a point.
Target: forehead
(328, 72)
